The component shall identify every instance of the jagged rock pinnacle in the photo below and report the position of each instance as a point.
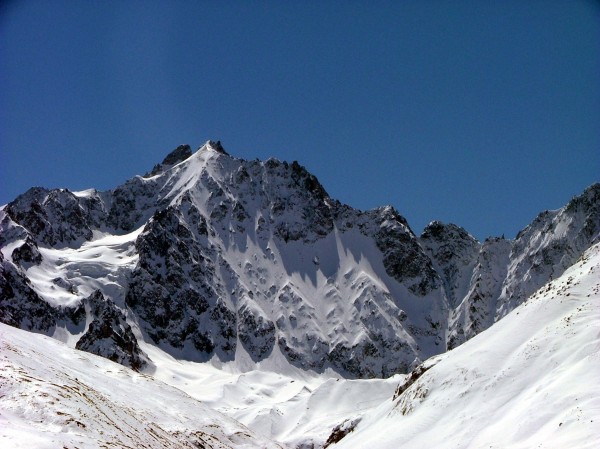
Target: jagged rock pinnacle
(181, 153)
(216, 146)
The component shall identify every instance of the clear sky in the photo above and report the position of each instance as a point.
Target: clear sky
(481, 113)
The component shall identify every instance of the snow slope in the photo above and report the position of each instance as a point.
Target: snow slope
(531, 380)
(53, 396)
(285, 404)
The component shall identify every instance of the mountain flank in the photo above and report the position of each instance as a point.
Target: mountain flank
(215, 258)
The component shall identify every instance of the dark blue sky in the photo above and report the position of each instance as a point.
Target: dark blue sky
(481, 113)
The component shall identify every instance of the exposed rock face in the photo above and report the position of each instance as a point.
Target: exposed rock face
(297, 204)
(403, 258)
(256, 331)
(108, 335)
(54, 218)
(548, 246)
(20, 305)
(413, 377)
(452, 251)
(503, 273)
(131, 204)
(175, 289)
(477, 308)
(27, 253)
(179, 154)
(212, 256)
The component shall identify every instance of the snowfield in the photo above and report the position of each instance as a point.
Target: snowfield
(285, 404)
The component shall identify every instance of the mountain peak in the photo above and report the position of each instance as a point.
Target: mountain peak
(182, 153)
(437, 230)
(224, 254)
(214, 146)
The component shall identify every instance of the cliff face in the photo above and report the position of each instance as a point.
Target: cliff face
(495, 277)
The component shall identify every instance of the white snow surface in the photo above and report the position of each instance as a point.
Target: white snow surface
(286, 404)
(532, 380)
(53, 396)
(97, 264)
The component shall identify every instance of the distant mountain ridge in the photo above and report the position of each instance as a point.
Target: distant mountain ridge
(213, 257)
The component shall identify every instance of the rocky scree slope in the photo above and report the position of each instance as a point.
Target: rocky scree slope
(217, 258)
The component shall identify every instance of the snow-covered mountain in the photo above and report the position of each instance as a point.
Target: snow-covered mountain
(531, 380)
(503, 273)
(283, 294)
(213, 257)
